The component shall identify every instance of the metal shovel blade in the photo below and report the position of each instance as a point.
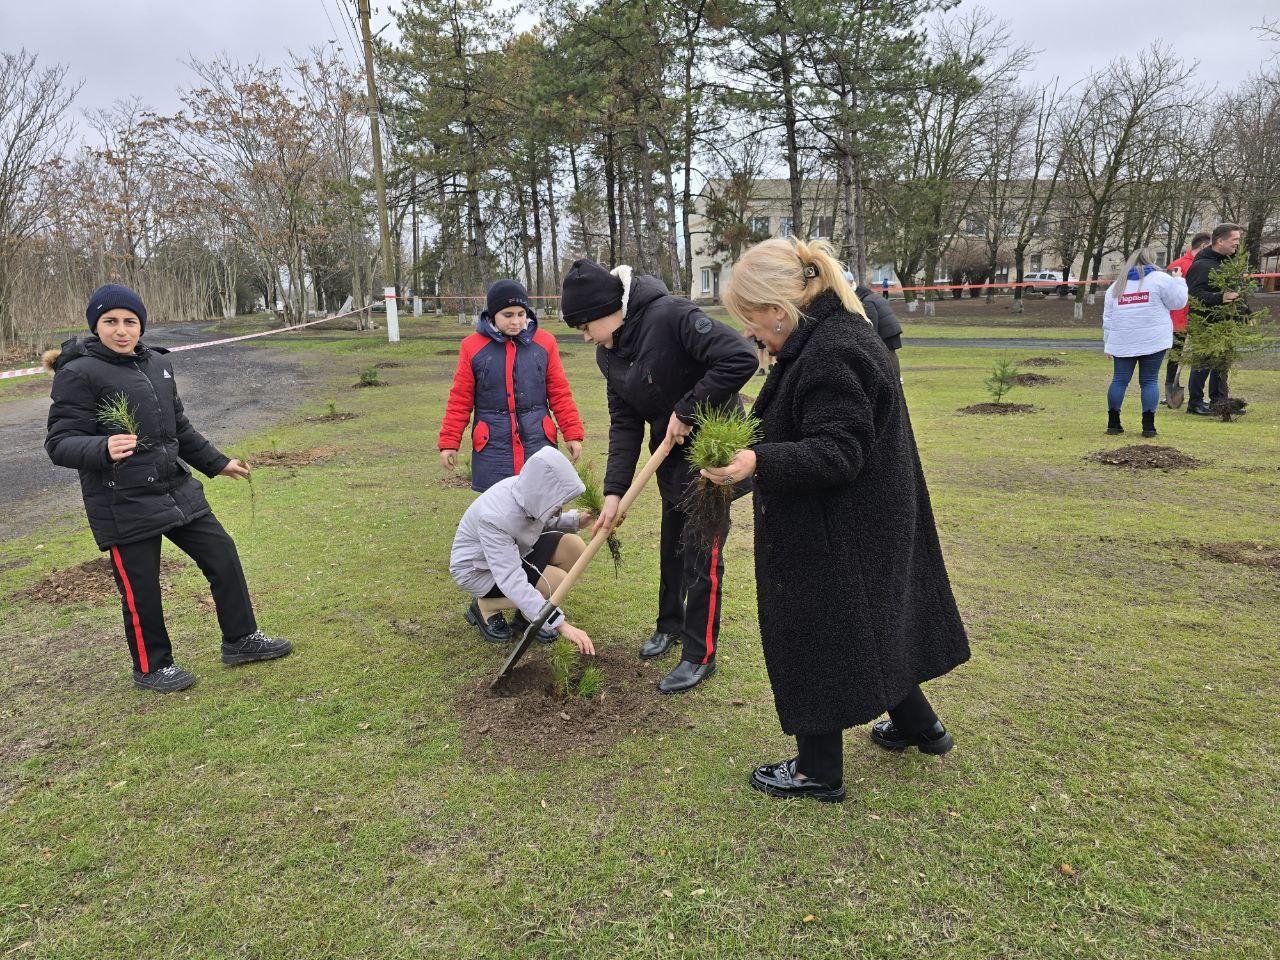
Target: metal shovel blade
(522, 645)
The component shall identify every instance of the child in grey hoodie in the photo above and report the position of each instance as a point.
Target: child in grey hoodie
(511, 549)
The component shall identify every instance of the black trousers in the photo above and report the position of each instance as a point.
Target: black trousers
(820, 756)
(1171, 364)
(1195, 385)
(137, 571)
(689, 593)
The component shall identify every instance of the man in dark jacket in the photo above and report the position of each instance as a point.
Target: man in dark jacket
(137, 489)
(662, 359)
(884, 319)
(1223, 244)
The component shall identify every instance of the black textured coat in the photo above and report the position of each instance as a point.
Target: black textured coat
(881, 315)
(854, 601)
(1198, 285)
(152, 491)
(668, 357)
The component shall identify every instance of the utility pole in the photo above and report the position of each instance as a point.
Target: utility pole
(388, 268)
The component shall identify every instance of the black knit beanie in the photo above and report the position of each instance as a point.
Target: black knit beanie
(507, 293)
(590, 292)
(112, 296)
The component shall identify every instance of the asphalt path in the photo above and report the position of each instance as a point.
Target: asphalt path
(228, 391)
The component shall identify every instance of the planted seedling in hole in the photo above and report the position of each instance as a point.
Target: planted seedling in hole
(719, 433)
(592, 498)
(592, 682)
(369, 377)
(563, 660)
(1004, 374)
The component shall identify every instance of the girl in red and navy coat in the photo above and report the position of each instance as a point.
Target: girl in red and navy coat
(509, 373)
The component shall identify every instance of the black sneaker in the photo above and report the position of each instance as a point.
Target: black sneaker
(519, 625)
(495, 629)
(779, 780)
(168, 679)
(935, 740)
(256, 646)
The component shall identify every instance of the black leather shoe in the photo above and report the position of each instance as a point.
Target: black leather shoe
(779, 780)
(935, 740)
(519, 625)
(256, 646)
(1199, 409)
(657, 645)
(686, 676)
(495, 629)
(168, 679)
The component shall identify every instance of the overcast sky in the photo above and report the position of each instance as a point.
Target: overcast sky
(123, 48)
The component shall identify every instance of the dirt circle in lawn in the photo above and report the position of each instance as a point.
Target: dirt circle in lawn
(1041, 362)
(524, 719)
(90, 582)
(999, 409)
(1145, 456)
(1034, 380)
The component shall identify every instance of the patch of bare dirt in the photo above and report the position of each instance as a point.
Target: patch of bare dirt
(1260, 556)
(450, 352)
(332, 418)
(388, 364)
(1041, 362)
(1143, 456)
(456, 480)
(361, 384)
(291, 458)
(525, 719)
(999, 408)
(1034, 380)
(88, 582)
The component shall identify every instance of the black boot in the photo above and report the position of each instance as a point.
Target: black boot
(256, 646)
(495, 629)
(935, 740)
(1113, 422)
(657, 645)
(1149, 424)
(686, 676)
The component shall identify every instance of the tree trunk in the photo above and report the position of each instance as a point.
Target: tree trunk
(537, 232)
(673, 252)
(610, 181)
(524, 235)
(555, 230)
(792, 141)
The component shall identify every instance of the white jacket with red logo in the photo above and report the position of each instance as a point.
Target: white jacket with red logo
(1138, 323)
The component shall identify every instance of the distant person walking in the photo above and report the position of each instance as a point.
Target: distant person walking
(1173, 392)
(1137, 329)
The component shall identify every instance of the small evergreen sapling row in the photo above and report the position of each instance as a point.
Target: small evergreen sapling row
(719, 433)
(592, 498)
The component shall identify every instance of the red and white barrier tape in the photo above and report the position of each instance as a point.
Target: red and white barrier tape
(32, 371)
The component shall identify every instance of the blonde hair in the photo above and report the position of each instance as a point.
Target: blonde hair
(788, 273)
(1139, 258)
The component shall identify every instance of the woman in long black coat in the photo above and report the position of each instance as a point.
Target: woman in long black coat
(855, 607)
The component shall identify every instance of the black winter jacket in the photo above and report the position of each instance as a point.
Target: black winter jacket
(152, 491)
(1198, 288)
(854, 602)
(668, 356)
(881, 314)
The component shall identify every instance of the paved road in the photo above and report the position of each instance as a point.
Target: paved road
(1000, 343)
(228, 391)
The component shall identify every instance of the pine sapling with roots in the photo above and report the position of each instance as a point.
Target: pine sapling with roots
(719, 433)
(592, 498)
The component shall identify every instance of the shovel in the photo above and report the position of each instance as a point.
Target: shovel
(575, 572)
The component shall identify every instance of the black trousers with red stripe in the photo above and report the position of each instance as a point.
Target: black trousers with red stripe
(137, 570)
(690, 592)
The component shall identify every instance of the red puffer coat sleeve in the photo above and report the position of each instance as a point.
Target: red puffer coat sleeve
(462, 395)
(559, 394)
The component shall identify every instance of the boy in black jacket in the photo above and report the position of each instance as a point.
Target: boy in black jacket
(136, 489)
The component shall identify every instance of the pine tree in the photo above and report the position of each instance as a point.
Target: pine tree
(1219, 336)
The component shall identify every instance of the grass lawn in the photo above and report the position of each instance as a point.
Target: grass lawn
(1113, 793)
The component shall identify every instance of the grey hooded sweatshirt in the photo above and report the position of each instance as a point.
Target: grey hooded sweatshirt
(504, 523)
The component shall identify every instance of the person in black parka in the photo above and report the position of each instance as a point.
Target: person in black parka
(886, 322)
(855, 607)
(136, 487)
(662, 358)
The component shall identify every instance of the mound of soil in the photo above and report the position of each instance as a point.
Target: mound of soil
(291, 458)
(523, 718)
(998, 408)
(450, 352)
(332, 418)
(88, 582)
(387, 364)
(1034, 380)
(1041, 362)
(455, 480)
(1142, 456)
(1261, 556)
(359, 384)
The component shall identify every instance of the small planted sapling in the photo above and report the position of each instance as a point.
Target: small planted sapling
(719, 433)
(563, 660)
(369, 377)
(592, 682)
(592, 498)
(1004, 377)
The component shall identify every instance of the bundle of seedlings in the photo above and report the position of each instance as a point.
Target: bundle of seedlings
(719, 433)
(592, 498)
(568, 677)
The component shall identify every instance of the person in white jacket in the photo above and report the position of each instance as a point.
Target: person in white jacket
(514, 546)
(1137, 331)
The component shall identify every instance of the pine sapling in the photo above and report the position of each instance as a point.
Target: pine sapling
(563, 660)
(120, 417)
(1004, 377)
(369, 377)
(592, 498)
(592, 682)
(719, 433)
(1219, 336)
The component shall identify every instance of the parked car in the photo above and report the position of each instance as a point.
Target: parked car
(1043, 279)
